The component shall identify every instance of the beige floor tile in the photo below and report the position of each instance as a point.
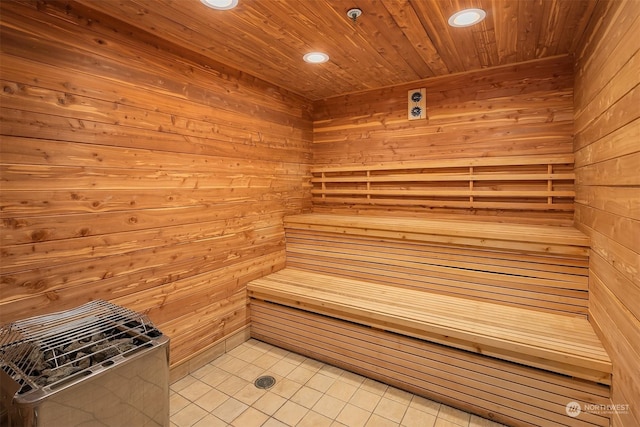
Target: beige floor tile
(353, 416)
(189, 415)
(477, 421)
(211, 400)
(249, 394)
(269, 403)
(441, 422)
(398, 395)
(391, 409)
(290, 413)
(294, 358)
(250, 354)
(378, 421)
(301, 374)
(341, 390)
(210, 421)
(374, 386)
(272, 422)
(312, 364)
(232, 385)
(453, 415)
(425, 405)
(308, 393)
(313, 419)
(233, 365)
(280, 353)
(331, 371)
(266, 361)
(259, 345)
(230, 410)
(416, 418)
(285, 388)
(195, 390)
(320, 382)
(282, 368)
(329, 406)
(215, 377)
(306, 397)
(251, 373)
(206, 369)
(352, 378)
(183, 382)
(365, 399)
(177, 402)
(250, 418)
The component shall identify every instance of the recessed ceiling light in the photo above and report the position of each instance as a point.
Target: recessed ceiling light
(220, 4)
(316, 57)
(467, 17)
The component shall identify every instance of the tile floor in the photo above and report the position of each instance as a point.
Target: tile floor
(307, 393)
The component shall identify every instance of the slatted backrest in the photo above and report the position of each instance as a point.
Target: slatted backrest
(529, 183)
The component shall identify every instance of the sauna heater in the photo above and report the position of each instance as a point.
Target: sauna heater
(95, 365)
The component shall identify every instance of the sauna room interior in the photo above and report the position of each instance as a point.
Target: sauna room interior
(450, 209)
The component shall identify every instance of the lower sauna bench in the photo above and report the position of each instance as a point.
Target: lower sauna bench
(491, 320)
(507, 363)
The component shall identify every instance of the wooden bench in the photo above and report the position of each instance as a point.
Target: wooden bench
(487, 317)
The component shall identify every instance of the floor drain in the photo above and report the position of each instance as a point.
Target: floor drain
(265, 382)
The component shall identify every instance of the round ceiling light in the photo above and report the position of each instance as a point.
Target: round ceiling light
(316, 57)
(220, 4)
(467, 17)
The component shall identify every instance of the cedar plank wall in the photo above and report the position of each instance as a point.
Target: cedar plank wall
(133, 174)
(607, 155)
(524, 109)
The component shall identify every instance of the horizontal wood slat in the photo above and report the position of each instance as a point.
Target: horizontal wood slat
(518, 182)
(502, 391)
(557, 343)
(519, 237)
(539, 282)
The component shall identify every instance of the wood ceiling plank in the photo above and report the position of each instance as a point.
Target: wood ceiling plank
(393, 42)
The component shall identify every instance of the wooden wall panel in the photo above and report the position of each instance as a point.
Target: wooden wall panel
(607, 157)
(139, 173)
(525, 109)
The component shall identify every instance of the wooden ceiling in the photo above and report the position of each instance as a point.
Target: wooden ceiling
(393, 42)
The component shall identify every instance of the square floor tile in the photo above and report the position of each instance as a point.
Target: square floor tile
(301, 374)
(416, 418)
(378, 421)
(230, 410)
(391, 409)
(321, 382)
(210, 421)
(341, 390)
(269, 403)
(306, 397)
(365, 399)
(329, 406)
(313, 419)
(353, 416)
(189, 415)
(290, 413)
(250, 418)
(194, 390)
(285, 388)
(211, 400)
(456, 416)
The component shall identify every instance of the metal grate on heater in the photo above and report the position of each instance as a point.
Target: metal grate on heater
(46, 351)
